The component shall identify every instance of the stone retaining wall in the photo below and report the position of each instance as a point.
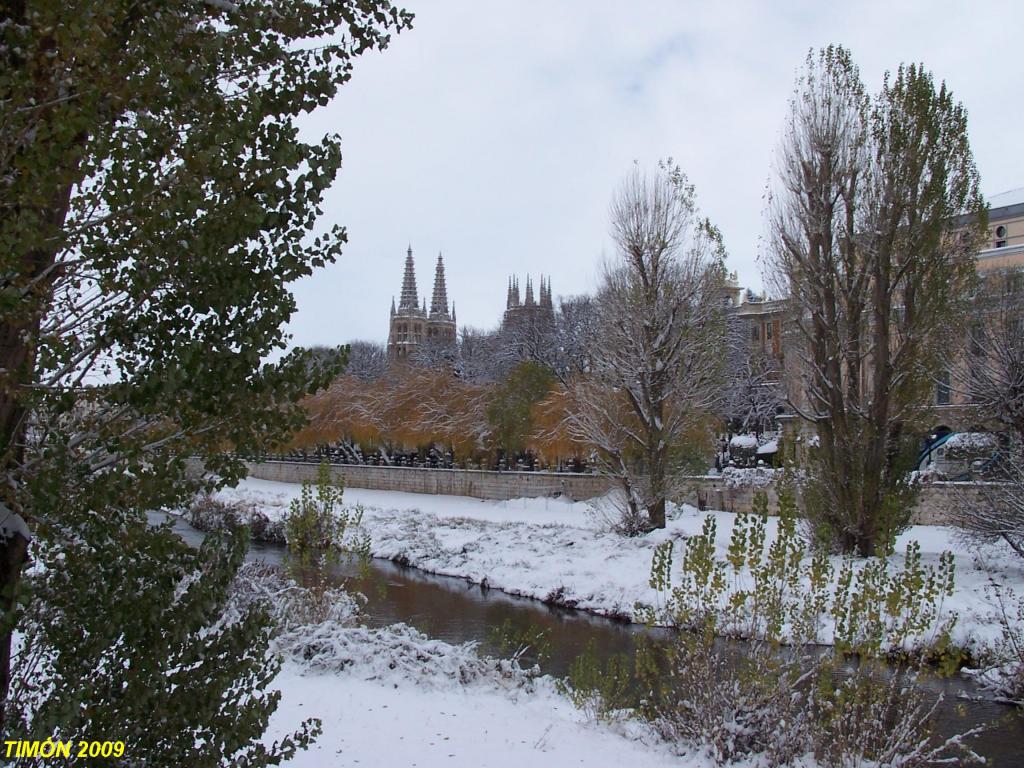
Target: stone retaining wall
(932, 508)
(480, 484)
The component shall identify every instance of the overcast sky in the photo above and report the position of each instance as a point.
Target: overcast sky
(496, 132)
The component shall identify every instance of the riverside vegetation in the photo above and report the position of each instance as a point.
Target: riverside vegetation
(781, 697)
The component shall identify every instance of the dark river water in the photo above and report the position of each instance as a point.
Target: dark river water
(456, 611)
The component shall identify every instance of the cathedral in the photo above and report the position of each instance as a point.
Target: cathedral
(411, 324)
(528, 310)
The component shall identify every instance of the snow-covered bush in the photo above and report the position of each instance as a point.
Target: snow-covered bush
(210, 513)
(743, 449)
(614, 514)
(751, 477)
(971, 446)
(875, 716)
(729, 700)
(290, 605)
(319, 630)
(1002, 670)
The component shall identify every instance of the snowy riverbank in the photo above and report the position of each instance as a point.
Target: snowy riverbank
(555, 550)
(394, 697)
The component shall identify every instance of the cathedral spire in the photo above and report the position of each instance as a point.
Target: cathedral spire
(410, 299)
(545, 293)
(515, 291)
(392, 306)
(529, 302)
(439, 302)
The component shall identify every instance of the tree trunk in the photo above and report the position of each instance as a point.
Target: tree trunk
(657, 513)
(19, 331)
(13, 556)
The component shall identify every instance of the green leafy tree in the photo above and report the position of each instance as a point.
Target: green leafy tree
(864, 240)
(510, 411)
(155, 203)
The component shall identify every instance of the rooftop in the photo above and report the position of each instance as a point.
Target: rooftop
(1005, 199)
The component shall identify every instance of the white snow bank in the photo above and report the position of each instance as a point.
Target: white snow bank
(369, 721)
(572, 563)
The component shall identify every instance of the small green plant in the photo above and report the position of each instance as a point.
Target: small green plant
(600, 691)
(782, 592)
(320, 533)
(778, 696)
(520, 644)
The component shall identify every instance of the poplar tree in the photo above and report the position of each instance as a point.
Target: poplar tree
(156, 201)
(864, 238)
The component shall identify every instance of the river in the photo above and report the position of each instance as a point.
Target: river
(457, 611)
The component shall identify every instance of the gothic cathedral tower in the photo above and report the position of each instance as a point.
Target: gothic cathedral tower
(411, 324)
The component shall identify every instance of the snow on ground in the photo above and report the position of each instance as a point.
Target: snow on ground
(394, 697)
(368, 723)
(375, 719)
(556, 549)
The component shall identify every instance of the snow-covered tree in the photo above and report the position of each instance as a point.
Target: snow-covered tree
(753, 384)
(367, 360)
(991, 375)
(862, 238)
(574, 336)
(656, 358)
(992, 372)
(435, 353)
(479, 359)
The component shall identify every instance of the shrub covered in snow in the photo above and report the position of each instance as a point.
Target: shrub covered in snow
(319, 630)
(751, 477)
(971, 446)
(212, 513)
(1002, 669)
(743, 449)
(290, 605)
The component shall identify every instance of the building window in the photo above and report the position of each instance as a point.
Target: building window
(755, 333)
(768, 331)
(1001, 236)
(942, 389)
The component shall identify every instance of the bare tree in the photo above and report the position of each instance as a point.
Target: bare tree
(992, 374)
(478, 356)
(657, 356)
(367, 360)
(862, 236)
(753, 388)
(575, 330)
(992, 377)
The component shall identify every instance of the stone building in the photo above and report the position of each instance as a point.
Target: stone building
(528, 310)
(1004, 247)
(411, 323)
